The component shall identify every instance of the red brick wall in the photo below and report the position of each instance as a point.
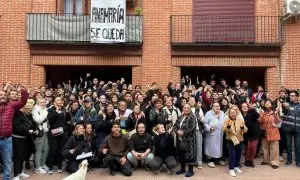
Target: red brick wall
(156, 63)
(15, 59)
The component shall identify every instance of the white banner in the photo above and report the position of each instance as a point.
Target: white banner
(108, 21)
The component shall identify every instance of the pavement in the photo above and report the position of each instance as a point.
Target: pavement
(219, 173)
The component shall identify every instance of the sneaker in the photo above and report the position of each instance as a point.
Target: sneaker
(281, 159)
(189, 174)
(23, 175)
(298, 165)
(40, 171)
(180, 172)
(50, 171)
(60, 170)
(274, 167)
(238, 170)
(45, 167)
(232, 173)
(211, 165)
(16, 178)
(222, 163)
(288, 163)
(170, 172)
(199, 166)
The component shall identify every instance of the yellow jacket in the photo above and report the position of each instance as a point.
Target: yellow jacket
(235, 129)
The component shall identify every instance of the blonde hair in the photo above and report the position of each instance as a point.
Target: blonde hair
(30, 103)
(76, 127)
(40, 99)
(156, 128)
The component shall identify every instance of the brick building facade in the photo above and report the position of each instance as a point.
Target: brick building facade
(157, 58)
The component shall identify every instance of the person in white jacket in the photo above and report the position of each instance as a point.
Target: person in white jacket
(39, 114)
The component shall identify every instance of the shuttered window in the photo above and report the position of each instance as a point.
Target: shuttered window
(224, 21)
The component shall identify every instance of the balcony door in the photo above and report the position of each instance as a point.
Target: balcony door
(223, 21)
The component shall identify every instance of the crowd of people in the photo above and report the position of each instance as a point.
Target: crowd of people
(120, 127)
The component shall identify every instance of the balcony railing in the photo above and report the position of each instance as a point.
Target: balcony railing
(227, 30)
(66, 28)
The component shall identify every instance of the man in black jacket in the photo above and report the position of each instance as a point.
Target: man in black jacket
(140, 145)
(174, 91)
(291, 126)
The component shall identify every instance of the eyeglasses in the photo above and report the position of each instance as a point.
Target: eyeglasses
(292, 95)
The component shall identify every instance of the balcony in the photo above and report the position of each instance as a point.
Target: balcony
(73, 29)
(188, 30)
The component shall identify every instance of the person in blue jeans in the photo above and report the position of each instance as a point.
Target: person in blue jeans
(7, 111)
(291, 127)
(234, 128)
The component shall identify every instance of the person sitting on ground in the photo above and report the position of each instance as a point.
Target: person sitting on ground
(115, 148)
(76, 145)
(163, 155)
(141, 146)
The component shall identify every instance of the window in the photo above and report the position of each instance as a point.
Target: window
(74, 7)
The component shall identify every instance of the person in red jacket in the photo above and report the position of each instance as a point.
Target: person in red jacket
(7, 111)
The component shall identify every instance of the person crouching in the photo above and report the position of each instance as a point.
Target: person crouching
(75, 146)
(115, 148)
(163, 145)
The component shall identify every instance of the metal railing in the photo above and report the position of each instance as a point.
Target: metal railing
(44, 27)
(225, 30)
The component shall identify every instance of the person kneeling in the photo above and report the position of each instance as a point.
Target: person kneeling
(163, 145)
(141, 145)
(76, 145)
(115, 148)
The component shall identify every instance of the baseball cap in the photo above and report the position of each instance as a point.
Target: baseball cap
(87, 99)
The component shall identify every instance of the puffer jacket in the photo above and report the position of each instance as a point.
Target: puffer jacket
(291, 118)
(7, 112)
(39, 116)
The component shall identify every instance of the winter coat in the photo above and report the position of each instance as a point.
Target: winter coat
(155, 118)
(173, 115)
(39, 116)
(233, 128)
(103, 128)
(133, 120)
(79, 144)
(251, 121)
(188, 127)
(291, 118)
(22, 124)
(163, 145)
(57, 119)
(90, 118)
(266, 122)
(7, 112)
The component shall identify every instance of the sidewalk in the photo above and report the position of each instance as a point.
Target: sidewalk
(218, 173)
